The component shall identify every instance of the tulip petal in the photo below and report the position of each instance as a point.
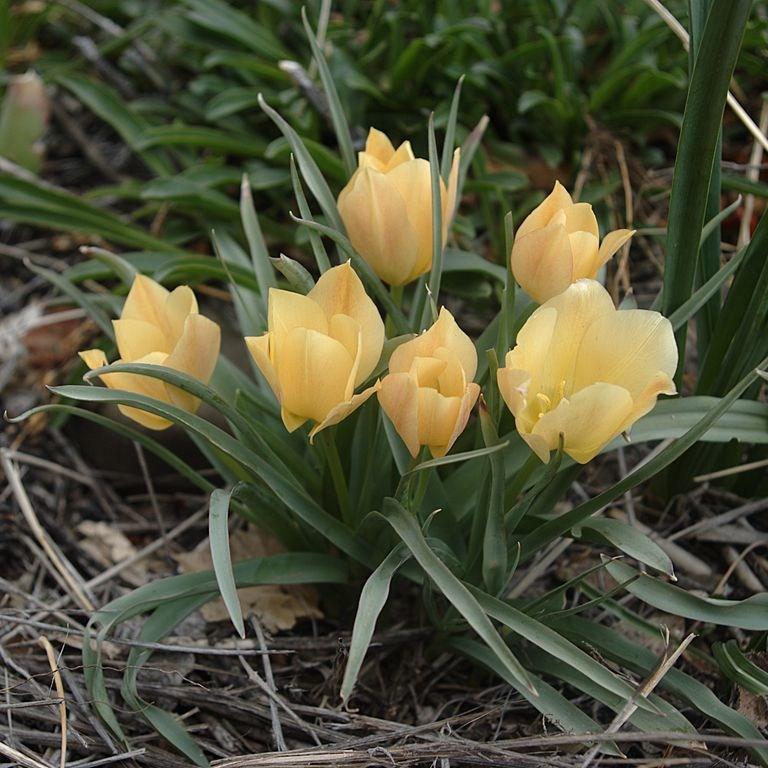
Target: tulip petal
(413, 180)
(443, 333)
(181, 303)
(313, 370)
(403, 154)
(514, 386)
(558, 199)
(611, 243)
(145, 301)
(378, 224)
(542, 261)
(399, 399)
(288, 310)
(588, 421)
(342, 410)
(438, 416)
(581, 218)
(259, 347)
(627, 348)
(449, 209)
(339, 291)
(378, 145)
(584, 250)
(137, 338)
(291, 421)
(196, 353)
(468, 400)
(93, 358)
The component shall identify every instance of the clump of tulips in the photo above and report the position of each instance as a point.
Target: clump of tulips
(370, 429)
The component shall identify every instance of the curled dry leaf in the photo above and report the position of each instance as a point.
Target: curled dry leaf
(277, 607)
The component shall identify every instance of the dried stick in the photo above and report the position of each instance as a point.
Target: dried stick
(51, 654)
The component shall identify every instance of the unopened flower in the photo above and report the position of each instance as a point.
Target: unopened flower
(586, 371)
(159, 327)
(559, 243)
(387, 209)
(428, 393)
(319, 348)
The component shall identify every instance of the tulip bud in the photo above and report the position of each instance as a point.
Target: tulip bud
(318, 348)
(428, 393)
(159, 327)
(586, 371)
(387, 209)
(558, 243)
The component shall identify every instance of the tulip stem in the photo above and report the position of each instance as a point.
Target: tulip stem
(333, 462)
(396, 292)
(516, 486)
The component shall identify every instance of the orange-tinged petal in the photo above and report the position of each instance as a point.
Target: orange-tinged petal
(557, 200)
(438, 415)
(542, 262)
(468, 400)
(378, 224)
(589, 420)
(313, 370)
(137, 338)
(399, 399)
(196, 354)
(584, 252)
(339, 291)
(580, 217)
(93, 358)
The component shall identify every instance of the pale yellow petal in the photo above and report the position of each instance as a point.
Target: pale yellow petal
(287, 310)
(589, 420)
(378, 145)
(612, 242)
(259, 347)
(181, 303)
(291, 421)
(137, 338)
(145, 301)
(414, 183)
(403, 154)
(627, 348)
(341, 411)
(399, 399)
(584, 251)
(93, 358)
(313, 370)
(339, 291)
(557, 200)
(514, 386)
(450, 198)
(542, 262)
(377, 222)
(196, 354)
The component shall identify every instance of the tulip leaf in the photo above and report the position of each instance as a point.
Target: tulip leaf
(455, 458)
(617, 647)
(697, 147)
(550, 702)
(294, 273)
(309, 169)
(436, 270)
(256, 245)
(218, 536)
(321, 256)
(560, 525)
(338, 118)
(751, 613)
(293, 496)
(123, 270)
(494, 567)
(455, 260)
(407, 528)
(738, 668)
(372, 599)
(629, 540)
(446, 158)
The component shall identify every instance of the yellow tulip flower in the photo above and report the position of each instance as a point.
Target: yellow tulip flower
(586, 371)
(160, 328)
(318, 348)
(558, 243)
(387, 209)
(428, 393)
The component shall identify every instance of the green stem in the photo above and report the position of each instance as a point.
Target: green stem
(396, 292)
(516, 486)
(337, 476)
